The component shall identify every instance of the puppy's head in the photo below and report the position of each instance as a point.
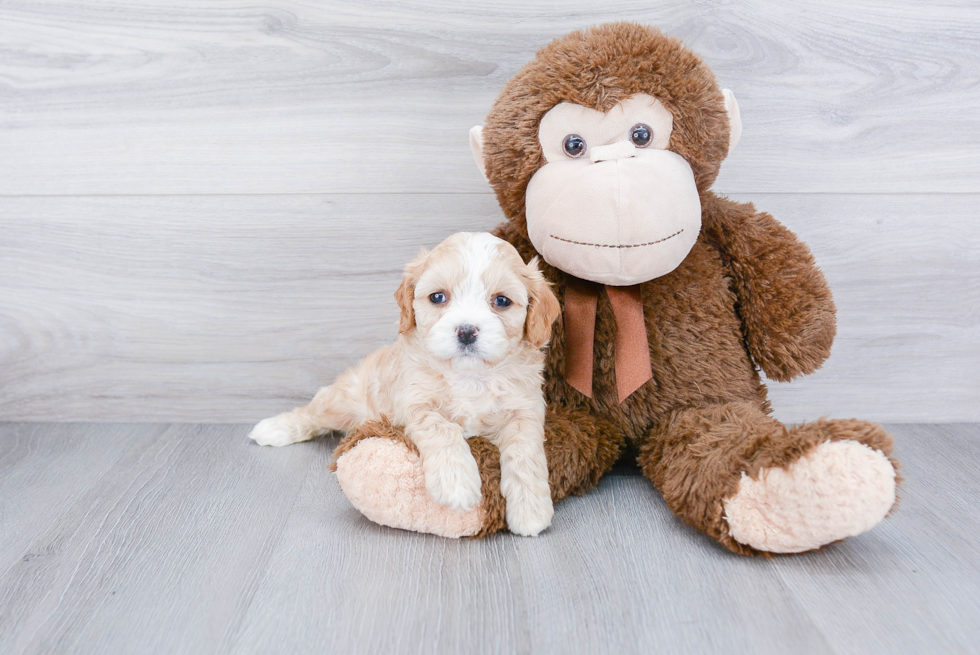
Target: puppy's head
(473, 300)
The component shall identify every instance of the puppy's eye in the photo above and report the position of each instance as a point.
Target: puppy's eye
(574, 146)
(437, 298)
(501, 302)
(641, 135)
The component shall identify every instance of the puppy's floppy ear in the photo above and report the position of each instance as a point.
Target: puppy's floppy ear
(542, 309)
(405, 295)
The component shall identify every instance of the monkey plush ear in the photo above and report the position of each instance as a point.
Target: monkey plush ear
(476, 145)
(734, 120)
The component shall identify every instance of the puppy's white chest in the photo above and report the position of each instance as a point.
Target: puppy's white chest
(474, 405)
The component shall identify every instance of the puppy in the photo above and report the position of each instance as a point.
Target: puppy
(467, 363)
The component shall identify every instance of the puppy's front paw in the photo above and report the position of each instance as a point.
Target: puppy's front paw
(276, 431)
(453, 478)
(528, 515)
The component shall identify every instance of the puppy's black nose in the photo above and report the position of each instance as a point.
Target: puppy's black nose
(466, 334)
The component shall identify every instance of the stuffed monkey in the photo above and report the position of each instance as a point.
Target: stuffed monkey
(602, 152)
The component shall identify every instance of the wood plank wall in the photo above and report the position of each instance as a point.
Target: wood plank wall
(205, 206)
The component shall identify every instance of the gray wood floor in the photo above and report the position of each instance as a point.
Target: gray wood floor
(188, 539)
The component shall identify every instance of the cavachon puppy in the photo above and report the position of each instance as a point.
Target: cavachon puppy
(467, 363)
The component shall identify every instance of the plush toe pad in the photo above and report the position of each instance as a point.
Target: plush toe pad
(841, 489)
(383, 479)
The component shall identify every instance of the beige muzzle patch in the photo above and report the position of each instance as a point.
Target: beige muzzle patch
(628, 217)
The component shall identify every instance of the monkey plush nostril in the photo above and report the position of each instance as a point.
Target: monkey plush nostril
(466, 334)
(620, 150)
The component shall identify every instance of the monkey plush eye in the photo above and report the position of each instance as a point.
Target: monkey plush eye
(574, 146)
(641, 135)
(501, 302)
(437, 298)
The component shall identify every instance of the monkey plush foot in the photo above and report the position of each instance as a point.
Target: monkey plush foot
(840, 489)
(757, 486)
(384, 481)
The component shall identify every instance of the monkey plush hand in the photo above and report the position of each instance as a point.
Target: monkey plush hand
(602, 152)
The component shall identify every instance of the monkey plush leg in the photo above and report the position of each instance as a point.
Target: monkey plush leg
(379, 470)
(745, 479)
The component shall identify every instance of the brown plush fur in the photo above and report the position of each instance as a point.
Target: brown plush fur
(698, 455)
(599, 68)
(368, 429)
(748, 294)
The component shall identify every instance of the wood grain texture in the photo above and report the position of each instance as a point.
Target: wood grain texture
(116, 306)
(117, 303)
(174, 535)
(212, 308)
(151, 97)
(199, 541)
(44, 470)
(919, 570)
(905, 272)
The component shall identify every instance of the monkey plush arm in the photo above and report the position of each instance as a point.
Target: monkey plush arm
(787, 311)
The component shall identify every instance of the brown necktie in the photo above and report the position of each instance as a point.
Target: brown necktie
(632, 346)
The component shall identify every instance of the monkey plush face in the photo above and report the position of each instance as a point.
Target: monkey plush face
(612, 204)
(602, 146)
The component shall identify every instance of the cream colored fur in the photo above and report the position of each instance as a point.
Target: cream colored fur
(443, 391)
(841, 489)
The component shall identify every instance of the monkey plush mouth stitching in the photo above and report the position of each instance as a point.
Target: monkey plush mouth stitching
(609, 245)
